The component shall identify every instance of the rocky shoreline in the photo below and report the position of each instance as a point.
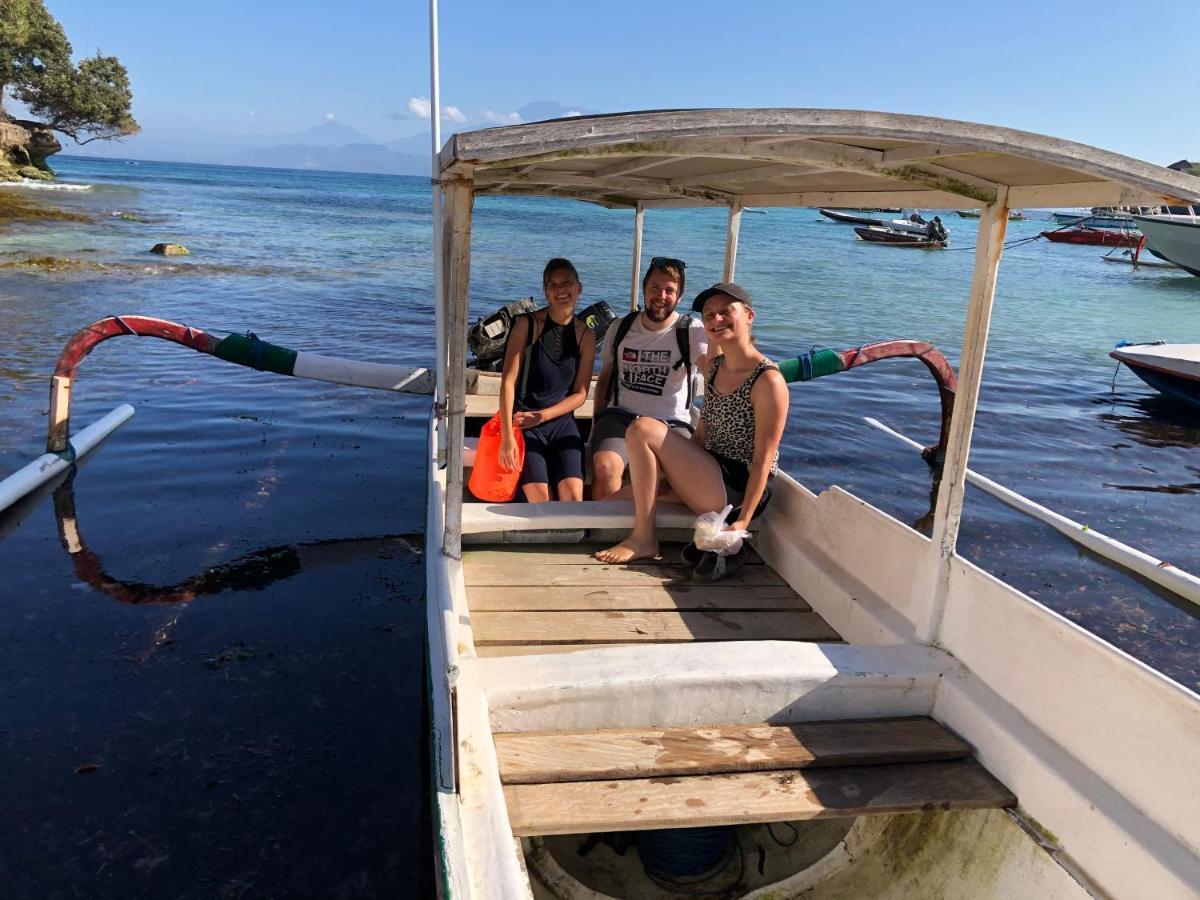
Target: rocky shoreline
(24, 148)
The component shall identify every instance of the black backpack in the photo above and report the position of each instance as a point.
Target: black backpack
(489, 336)
(682, 339)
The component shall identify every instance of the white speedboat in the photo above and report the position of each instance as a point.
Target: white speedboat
(1171, 369)
(926, 729)
(1174, 237)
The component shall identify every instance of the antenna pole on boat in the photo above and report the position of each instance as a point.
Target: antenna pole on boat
(934, 587)
(639, 217)
(439, 300)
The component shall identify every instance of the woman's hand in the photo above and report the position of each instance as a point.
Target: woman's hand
(739, 525)
(526, 420)
(508, 453)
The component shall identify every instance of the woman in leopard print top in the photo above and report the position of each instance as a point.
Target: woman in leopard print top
(734, 452)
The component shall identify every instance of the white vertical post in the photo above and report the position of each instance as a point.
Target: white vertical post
(993, 223)
(459, 195)
(439, 300)
(731, 241)
(639, 216)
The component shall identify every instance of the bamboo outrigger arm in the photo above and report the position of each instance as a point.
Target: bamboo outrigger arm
(818, 362)
(243, 349)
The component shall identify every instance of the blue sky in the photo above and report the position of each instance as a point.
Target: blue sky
(1117, 75)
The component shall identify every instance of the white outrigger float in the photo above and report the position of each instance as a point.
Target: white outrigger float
(1005, 751)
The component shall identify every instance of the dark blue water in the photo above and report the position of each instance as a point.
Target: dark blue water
(221, 692)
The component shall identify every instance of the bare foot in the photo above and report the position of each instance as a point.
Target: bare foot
(628, 550)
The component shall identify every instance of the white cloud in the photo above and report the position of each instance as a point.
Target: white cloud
(501, 118)
(454, 114)
(329, 117)
(571, 113)
(419, 106)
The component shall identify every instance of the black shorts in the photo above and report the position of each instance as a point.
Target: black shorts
(611, 423)
(553, 450)
(736, 475)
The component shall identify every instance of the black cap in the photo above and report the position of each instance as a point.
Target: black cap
(736, 291)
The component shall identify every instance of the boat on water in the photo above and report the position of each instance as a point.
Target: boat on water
(1171, 369)
(875, 234)
(924, 728)
(1098, 237)
(1173, 237)
(1014, 215)
(913, 225)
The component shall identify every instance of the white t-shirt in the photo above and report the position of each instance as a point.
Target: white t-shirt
(650, 383)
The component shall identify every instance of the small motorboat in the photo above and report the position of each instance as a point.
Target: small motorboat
(849, 218)
(1174, 238)
(877, 234)
(1014, 215)
(1171, 369)
(1084, 234)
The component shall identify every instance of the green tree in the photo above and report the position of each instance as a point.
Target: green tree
(86, 102)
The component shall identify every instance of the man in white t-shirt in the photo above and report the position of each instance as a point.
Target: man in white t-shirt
(648, 369)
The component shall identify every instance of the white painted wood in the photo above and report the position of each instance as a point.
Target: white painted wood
(479, 518)
(924, 152)
(632, 184)
(48, 465)
(629, 166)
(639, 217)
(459, 200)
(737, 682)
(1182, 584)
(757, 173)
(732, 228)
(932, 583)
(352, 372)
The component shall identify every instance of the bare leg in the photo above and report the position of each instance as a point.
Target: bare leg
(536, 492)
(693, 473)
(570, 489)
(607, 469)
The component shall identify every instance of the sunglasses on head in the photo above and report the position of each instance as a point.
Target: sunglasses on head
(659, 262)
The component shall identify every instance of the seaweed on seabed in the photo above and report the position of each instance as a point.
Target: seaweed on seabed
(15, 208)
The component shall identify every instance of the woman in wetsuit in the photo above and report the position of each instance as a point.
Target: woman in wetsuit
(547, 373)
(735, 451)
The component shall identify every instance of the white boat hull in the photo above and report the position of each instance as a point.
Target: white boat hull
(1175, 238)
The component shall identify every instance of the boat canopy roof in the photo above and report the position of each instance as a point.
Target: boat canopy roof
(800, 157)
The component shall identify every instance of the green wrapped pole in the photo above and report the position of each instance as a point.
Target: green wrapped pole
(810, 365)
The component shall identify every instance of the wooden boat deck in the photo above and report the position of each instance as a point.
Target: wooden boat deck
(536, 599)
(557, 598)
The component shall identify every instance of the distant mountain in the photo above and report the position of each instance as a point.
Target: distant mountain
(329, 134)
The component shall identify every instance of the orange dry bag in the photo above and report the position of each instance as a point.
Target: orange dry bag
(488, 481)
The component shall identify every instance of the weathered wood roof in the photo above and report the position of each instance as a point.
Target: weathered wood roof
(801, 157)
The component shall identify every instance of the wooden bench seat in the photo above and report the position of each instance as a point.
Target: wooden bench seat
(576, 782)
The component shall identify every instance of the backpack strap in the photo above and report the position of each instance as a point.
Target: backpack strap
(683, 338)
(614, 389)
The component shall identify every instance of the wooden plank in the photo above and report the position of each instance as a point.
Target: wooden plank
(681, 597)
(570, 555)
(537, 649)
(601, 575)
(623, 626)
(484, 406)
(542, 757)
(744, 798)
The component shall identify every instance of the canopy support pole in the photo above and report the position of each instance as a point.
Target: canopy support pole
(435, 135)
(639, 217)
(459, 197)
(933, 586)
(731, 241)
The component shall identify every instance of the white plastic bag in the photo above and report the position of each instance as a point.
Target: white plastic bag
(711, 535)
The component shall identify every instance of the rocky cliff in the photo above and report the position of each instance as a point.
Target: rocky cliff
(24, 147)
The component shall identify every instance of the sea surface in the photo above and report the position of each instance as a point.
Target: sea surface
(219, 691)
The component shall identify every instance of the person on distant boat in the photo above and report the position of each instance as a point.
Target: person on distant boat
(547, 372)
(735, 451)
(935, 231)
(647, 371)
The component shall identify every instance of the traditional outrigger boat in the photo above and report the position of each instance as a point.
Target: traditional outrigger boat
(927, 729)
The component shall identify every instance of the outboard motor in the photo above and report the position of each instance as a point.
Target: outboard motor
(598, 317)
(488, 336)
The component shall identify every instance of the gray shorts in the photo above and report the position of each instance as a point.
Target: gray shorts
(608, 431)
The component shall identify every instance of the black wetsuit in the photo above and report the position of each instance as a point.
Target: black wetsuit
(553, 449)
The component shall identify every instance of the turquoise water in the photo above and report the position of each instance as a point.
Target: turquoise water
(238, 648)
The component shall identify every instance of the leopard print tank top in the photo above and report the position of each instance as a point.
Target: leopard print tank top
(729, 418)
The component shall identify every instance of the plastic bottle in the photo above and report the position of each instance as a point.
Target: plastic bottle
(488, 481)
